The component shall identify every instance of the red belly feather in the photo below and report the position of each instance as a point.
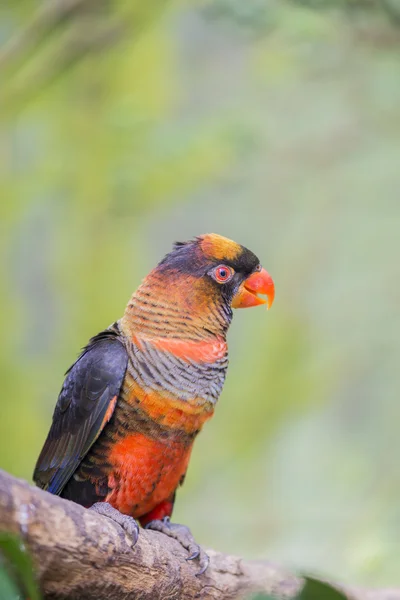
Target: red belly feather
(145, 472)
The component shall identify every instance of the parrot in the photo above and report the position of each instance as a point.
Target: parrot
(135, 399)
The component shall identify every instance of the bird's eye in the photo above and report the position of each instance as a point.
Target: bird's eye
(222, 274)
(258, 268)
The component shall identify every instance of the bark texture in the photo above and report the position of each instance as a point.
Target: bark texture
(80, 555)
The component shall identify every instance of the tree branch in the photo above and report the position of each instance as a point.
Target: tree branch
(80, 555)
(44, 21)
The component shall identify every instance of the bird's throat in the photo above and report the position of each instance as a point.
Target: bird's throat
(183, 310)
(177, 343)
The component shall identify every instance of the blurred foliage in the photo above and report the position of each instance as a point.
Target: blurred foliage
(318, 590)
(313, 589)
(16, 572)
(127, 125)
(258, 17)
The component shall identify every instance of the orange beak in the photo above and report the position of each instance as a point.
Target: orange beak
(259, 282)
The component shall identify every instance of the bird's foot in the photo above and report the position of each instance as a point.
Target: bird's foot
(183, 535)
(127, 523)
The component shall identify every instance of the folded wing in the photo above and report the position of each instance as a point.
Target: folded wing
(85, 405)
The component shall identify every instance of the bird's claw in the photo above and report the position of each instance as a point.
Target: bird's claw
(205, 561)
(126, 522)
(195, 554)
(183, 535)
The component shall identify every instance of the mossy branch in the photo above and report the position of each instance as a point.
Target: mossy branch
(80, 555)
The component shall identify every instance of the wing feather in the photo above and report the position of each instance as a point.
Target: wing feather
(85, 404)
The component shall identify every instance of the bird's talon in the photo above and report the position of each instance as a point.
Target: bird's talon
(204, 561)
(127, 523)
(195, 554)
(182, 534)
(203, 569)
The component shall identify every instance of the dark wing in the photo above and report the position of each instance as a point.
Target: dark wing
(85, 404)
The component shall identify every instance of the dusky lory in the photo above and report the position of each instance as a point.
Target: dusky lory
(141, 390)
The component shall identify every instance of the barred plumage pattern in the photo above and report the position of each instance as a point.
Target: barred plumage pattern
(134, 401)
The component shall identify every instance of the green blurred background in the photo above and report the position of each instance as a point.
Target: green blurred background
(126, 125)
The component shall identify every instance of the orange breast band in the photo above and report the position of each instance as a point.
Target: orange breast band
(145, 472)
(200, 351)
(182, 415)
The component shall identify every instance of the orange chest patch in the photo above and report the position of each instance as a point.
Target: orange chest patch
(144, 472)
(167, 410)
(202, 351)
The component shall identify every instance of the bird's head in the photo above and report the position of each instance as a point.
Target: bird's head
(221, 269)
(203, 279)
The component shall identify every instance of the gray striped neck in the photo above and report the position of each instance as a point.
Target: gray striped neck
(160, 310)
(161, 371)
